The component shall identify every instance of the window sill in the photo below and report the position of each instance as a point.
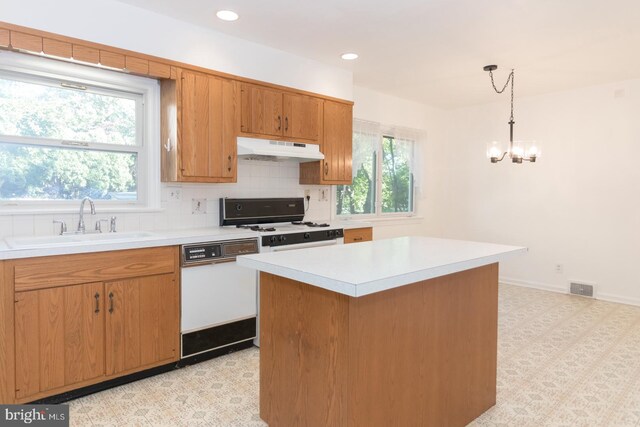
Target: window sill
(384, 221)
(6, 210)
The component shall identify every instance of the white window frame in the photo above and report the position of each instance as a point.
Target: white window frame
(146, 93)
(390, 132)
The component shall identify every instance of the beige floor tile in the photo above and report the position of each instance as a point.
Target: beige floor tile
(562, 361)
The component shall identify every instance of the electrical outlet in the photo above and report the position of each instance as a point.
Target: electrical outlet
(307, 193)
(323, 195)
(559, 268)
(198, 206)
(175, 193)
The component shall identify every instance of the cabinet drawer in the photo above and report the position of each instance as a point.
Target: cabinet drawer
(65, 270)
(355, 235)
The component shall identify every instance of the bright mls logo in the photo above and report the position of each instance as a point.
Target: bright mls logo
(36, 415)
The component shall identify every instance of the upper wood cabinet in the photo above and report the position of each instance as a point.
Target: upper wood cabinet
(261, 110)
(198, 115)
(302, 116)
(337, 135)
(270, 112)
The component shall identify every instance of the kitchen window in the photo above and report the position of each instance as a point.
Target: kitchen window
(68, 131)
(383, 173)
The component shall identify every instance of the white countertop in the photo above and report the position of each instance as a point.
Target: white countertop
(156, 238)
(365, 268)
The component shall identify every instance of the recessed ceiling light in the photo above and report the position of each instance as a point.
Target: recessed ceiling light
(349, 56)
(227, 15)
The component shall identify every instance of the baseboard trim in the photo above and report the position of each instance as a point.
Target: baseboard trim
(565, 290)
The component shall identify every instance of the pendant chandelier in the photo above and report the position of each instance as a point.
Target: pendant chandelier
(518, 151)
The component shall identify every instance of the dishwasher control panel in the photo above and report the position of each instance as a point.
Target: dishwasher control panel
(212, 252)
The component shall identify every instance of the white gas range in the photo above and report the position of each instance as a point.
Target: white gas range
(220, 301)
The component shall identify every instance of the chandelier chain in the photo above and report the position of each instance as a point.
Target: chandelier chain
(499, 91)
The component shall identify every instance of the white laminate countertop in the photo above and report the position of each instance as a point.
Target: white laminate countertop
(153, 239)
(364, 268)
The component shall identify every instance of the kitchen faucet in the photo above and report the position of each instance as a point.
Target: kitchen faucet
(81, 227)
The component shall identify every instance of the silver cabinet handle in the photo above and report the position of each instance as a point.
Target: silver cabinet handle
(168, 145)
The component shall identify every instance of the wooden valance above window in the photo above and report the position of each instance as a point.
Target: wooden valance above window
(41, 43)
(38, 43)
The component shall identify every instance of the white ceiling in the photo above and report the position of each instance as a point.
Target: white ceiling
(433, 51)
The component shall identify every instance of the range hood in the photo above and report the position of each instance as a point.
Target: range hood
(265, 149)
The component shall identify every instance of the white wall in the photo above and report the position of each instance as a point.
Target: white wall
(393, 111)
(579, 206)
(128, 27)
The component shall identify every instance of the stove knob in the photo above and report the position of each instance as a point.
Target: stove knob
(282, 238)
(307, 235)
(338, 233)
(272, 239)
(238, 207)
(331, 233)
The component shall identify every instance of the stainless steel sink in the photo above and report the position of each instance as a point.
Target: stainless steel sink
(75, 239)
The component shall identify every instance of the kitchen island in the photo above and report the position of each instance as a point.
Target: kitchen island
(391, 332)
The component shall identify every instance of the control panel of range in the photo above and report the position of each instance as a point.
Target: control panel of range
(302, 237)
(211, 252)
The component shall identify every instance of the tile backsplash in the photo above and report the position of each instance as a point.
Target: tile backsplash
(255, 179)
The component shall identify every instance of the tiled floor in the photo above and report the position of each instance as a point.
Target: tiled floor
(563, 361)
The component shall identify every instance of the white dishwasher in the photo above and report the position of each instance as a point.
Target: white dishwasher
(219, 304)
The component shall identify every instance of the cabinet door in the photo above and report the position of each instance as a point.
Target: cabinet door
(302, 116)
(59, 336)
(207, 142)
(222, 128)
(143, 320)
(261, 110)
(337, 144)
(194, 124)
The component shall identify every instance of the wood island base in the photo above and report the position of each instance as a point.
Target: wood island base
(422, 354)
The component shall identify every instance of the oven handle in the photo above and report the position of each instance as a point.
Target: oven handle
(305, 245)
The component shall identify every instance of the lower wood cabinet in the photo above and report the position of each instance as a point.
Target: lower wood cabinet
(355, 235)
(141, 326)
(69, 335)
(59, 337)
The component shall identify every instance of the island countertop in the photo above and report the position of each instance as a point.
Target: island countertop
(369, 267)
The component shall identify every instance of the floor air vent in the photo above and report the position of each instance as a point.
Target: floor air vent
(582, 289)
